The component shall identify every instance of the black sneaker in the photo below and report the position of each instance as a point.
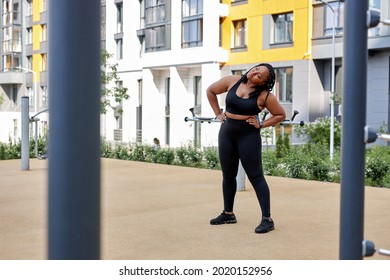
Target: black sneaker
(224, 219)
(265, 226)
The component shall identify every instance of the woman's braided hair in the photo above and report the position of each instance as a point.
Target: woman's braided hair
(271, 77)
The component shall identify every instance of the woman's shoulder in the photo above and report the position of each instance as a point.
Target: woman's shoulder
(224, 84)
(232, 80)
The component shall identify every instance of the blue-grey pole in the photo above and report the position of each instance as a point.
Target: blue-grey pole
(353, 122)
(36, 136)
(25, 143)
(74, 137)
(388, 105)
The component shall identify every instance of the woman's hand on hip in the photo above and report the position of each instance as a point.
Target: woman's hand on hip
(254, 120)
(221, 117)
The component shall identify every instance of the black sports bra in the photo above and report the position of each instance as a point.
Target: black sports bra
(243, 106)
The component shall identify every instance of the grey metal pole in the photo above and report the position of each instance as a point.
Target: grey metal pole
(353, 122)
(36, 136)
(25, 144)
(388, 104)
(331, 148)
(74, 165)
(240, 178)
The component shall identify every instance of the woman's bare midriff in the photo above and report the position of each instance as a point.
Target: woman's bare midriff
(236, 117)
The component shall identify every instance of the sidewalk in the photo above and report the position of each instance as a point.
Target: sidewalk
(152, 211)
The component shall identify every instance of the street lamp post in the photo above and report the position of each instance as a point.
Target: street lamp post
(331, 144)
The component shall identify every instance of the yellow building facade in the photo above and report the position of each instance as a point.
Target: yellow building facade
(39, 37)
(256, 14)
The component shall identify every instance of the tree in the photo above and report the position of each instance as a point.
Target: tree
(111, 96)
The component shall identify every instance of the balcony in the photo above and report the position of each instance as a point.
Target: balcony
(12, 77)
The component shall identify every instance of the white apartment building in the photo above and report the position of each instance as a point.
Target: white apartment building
(168, 52)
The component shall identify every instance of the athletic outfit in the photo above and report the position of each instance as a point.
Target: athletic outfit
(238, 140)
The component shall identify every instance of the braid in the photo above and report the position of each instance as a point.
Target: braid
(271, 78)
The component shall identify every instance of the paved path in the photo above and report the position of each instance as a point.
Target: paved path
(152, 211)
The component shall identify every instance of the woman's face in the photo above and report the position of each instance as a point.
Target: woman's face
(258, 75)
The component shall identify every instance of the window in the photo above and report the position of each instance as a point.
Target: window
(43, 62)
(238, 72)
(336, 11)
(17, 39)
(44, 6)
(16, 17)
(29, 36)
(30, 94)
(44, 32)
(192, 7)
(119, 17)
(45, 100)
(155, 11)
(14, 96)
(6, 13)
(29, 8)
(283, 84)
(29, 62)
(12, 39)
(240, 40)
(155, 38)
(192, 33)
(119, 48)
(6, 62)
(157, 25)
(192, 23)
(117, 113)
(283, 28)
(375, 5)
(119, 85)
(11, 61)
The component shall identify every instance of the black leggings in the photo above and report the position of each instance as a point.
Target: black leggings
(240, 140)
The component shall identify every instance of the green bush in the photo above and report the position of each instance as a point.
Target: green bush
(318, 161)
(105, 149)
(138, 153)
(319, 132)
(377, 165)
(270, 163)
(282, 145)
(10, 150)
(165, 156)
(189, 156)
(297, 164)
(279, 147)
(121, 151)
(211, 157)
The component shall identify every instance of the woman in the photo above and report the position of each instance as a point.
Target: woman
(239, 136)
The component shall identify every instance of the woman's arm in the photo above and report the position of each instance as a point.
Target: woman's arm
(276, 110)
(220, 86)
